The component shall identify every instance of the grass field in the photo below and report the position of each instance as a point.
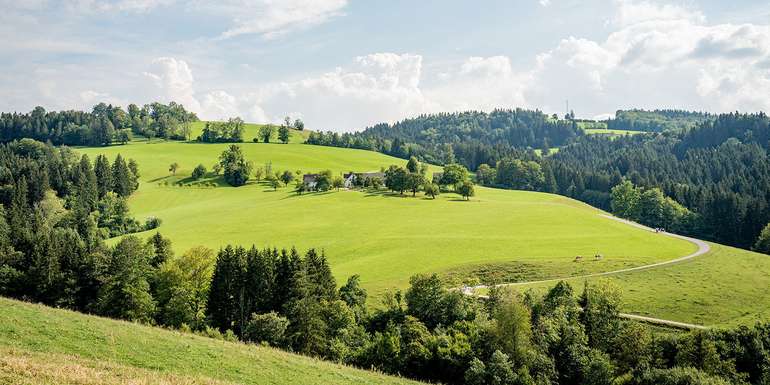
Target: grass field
(724, 287)
(382, 237)
(41, 345)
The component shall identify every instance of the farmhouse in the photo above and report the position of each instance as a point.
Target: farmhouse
(353, 178)
(310, 181)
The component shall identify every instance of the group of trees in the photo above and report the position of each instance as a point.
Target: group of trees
(651, 207)
(234, 165)
(104, 125)
(656, 120)
(520, 174)
(469, 138)
(414, 178)
(266, 132)
(55, 211)
(230, 131)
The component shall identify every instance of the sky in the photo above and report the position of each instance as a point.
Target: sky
(343, 65)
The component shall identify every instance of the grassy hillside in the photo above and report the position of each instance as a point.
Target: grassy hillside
(41, 345)
(382, 237)
(724, 287)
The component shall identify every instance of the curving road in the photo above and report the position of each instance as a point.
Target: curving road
(703, 248)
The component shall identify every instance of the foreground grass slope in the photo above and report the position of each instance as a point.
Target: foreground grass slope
(382, 237)
(41, 345)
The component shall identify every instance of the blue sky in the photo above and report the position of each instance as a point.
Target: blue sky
(344, 64)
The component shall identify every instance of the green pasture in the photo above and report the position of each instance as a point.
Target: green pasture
(384, 237)
(41, 346)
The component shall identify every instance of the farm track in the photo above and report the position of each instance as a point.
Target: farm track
(703, 248)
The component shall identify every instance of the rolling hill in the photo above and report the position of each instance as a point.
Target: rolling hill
(41, 345)
(383, 237)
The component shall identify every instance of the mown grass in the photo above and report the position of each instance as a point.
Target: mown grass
(724, 287)
(383, 237)
(41, 345)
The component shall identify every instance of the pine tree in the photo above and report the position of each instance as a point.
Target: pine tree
(126, 292)
(260, 280)
(225, 294)
(161, 248)
(121, 177)
(87, 189)
(103, 173)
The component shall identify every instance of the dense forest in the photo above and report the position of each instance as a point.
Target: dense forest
(55, 211)
(656, 120)
(711, 180)
(469, 138)
(102, 126)
(719, 170)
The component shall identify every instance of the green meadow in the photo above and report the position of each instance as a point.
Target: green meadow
(384, 237)
(45, 346)
(724, 287)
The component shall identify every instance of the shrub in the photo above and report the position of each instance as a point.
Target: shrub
(269, 328)
(199, 172)
(152, 223)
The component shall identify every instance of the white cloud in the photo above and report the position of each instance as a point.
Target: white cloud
(631, 12)
(659, 56)
(116, 5)
(173, 80)
(272, 18)
(544, 3)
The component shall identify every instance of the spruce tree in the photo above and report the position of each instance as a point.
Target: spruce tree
(121, 177)
(225, 294)
(103, 173)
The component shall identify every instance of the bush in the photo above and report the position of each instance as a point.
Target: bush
(269, 328)
(199, 172)
(152, 223)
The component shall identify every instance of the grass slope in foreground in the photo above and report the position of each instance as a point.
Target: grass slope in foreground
(37, 345)
(384, 238)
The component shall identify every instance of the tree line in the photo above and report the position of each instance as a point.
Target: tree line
(656, 120)
(469, 138)
(104, 125)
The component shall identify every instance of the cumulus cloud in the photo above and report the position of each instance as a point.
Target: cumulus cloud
(173, 80)
(272, 18)
(659, 55)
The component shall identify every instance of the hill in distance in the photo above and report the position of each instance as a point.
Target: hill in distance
(384, 237)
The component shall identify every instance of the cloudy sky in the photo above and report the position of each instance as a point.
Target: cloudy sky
(344, 64)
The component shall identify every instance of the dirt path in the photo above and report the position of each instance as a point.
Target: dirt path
(703, 248)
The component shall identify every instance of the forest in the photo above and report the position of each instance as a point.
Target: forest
(470, 138)
(104, 125)
(656, 120)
